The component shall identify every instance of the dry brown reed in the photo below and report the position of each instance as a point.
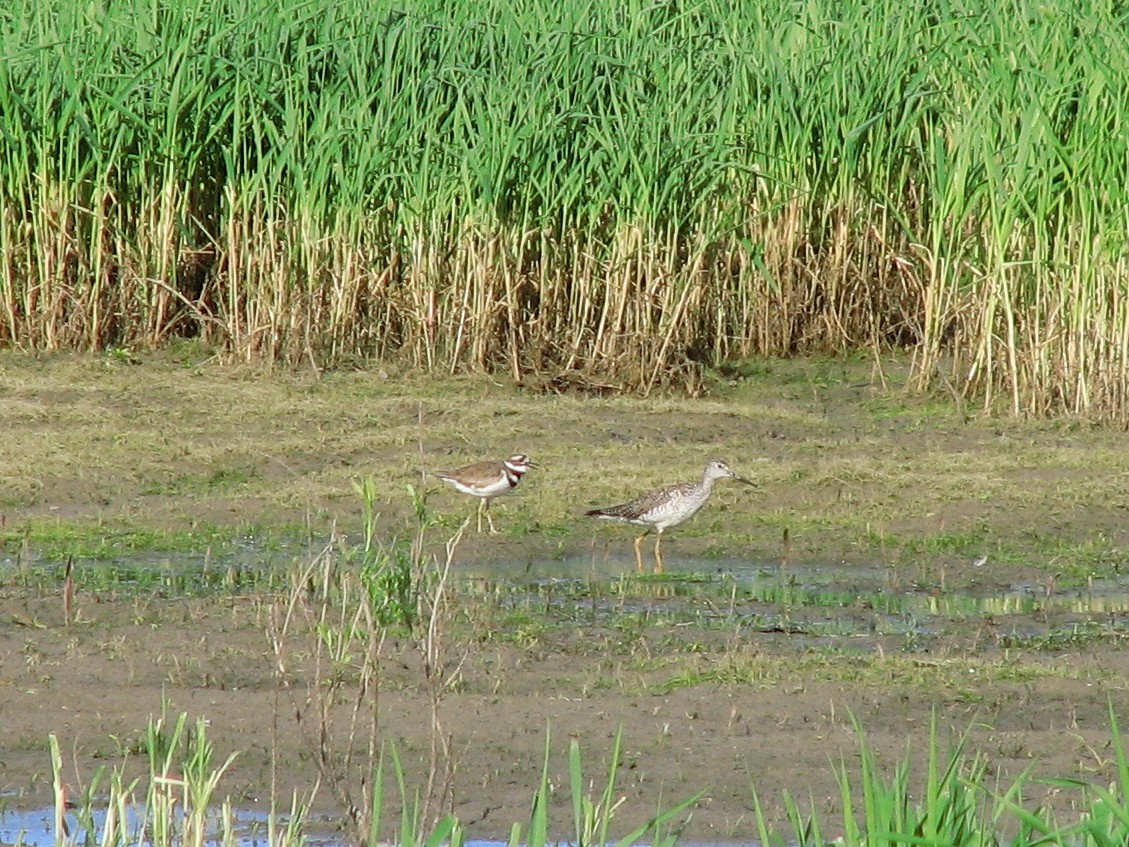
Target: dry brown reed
(573, 196)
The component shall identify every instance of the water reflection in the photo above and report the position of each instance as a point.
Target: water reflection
(35, 828)
(831, 600)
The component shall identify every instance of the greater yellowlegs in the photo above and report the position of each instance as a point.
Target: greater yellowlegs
(665, 507)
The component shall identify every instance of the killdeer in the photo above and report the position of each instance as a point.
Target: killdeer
(665, 507)
(487, 480)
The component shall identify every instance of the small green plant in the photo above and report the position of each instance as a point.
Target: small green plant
(592, 818)
(387, 577)
(353, 599)
(184, 777)
(391, 572)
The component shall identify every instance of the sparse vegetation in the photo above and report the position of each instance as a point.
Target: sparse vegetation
(183, 805)
(953, 799)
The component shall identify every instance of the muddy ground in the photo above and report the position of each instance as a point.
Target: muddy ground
(712, 690)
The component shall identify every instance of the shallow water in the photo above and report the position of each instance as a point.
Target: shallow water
(35, 828)
(826, 600)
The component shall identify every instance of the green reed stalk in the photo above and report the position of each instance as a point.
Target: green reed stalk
(575, 192)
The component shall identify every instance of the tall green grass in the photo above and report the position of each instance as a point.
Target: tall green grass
(577, 193)
(958, 802)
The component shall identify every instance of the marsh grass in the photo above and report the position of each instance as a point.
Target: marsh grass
(182, 806)
(146, 577)
(958, 802)
(341, 608)
(109, 552)
(959, 674)
(954, 800)
(180, 802)
(577, 195)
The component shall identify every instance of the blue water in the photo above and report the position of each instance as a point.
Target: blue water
(36, 828)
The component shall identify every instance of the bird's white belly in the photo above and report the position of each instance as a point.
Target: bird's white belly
(674, 512)
(491, 490)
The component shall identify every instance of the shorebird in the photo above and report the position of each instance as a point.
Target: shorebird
(665, 507)
(487, 480)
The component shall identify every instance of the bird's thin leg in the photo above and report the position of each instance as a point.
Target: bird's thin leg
(481, 507)
(659, 568)
(639, 552)
(489, 520)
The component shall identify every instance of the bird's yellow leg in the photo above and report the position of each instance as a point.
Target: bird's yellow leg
(659, 567)
(490, 520)
(639, 553)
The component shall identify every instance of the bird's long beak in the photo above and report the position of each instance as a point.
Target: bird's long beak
(747, 482)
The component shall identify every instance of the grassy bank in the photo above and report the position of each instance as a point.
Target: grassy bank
(576, 194)
(110, 459)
